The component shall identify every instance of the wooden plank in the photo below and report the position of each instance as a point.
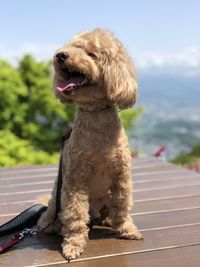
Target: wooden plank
(27, 183)
(44, 178)
(15, 189)
(30, 179)
(155, 168)
(163, 174)
(53, 167)
(138, 162)
(22, 196)
(27, 167)
(169, 193)
(14, 208)
(169, 187)
(137, 166)
(166, 204)
(46, 249)
(139, 207)
(145, 160)
(139, 171)
(165, 177)
(166, 183)
(179, 257)
(173, 218)
(153, 220)
(190, 181)
(28, 173)
(142, 177)
(167, 210)
(140, 174)
(138, 183)
(32, 195)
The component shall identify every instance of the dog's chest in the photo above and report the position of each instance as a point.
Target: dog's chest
(100, 181)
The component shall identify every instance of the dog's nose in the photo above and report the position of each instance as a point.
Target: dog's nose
(61, 56)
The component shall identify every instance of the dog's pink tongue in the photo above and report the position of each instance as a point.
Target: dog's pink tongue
(72, 82)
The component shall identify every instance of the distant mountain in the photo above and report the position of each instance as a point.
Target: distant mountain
(169, 89)
(171, 116)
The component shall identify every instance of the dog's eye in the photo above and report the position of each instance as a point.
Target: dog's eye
(92, 55)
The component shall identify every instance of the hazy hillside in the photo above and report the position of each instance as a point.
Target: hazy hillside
(172, 113)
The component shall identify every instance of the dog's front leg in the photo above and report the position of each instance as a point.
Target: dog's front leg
(47, 219)
(75, 217)
(121, 203)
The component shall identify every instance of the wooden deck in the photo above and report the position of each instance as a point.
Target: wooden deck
(166, 210)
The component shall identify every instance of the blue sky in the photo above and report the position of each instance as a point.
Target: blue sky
(158, 34)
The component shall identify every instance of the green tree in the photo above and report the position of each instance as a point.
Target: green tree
(129, 118)
(15, 151)
(46, 119)
(13, 93)
(188, 158)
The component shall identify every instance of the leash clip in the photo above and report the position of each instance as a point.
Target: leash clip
(12, 240)
(24, 233)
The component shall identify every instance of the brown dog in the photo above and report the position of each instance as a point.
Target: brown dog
(94, 72)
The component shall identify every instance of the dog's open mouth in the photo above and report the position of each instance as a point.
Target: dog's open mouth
(73, 81)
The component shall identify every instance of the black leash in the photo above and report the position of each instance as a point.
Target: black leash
(27, 219)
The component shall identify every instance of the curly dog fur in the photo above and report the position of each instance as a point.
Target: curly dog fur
(96, 157)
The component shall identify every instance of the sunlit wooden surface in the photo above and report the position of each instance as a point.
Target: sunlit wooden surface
(166, 210)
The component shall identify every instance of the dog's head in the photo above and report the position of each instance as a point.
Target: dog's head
(94, 68)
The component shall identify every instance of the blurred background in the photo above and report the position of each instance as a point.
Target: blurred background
(163, 37)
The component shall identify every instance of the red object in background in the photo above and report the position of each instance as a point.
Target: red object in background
(134, 154)
(159, 152)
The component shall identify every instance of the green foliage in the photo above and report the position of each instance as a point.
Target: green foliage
(188, 158)
(44, 111)
(15, 151)
(129, 117)
(33, 118)
(28, 106)
(12, 95)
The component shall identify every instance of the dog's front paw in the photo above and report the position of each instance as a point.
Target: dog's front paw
(133, 235)
(129, 231)
(71, 252)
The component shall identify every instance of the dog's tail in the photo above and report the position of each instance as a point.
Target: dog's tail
(43, 199)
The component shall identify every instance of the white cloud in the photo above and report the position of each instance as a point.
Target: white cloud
(185, 62)
(40, 51)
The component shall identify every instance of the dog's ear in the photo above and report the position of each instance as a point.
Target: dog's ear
(120, 83)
